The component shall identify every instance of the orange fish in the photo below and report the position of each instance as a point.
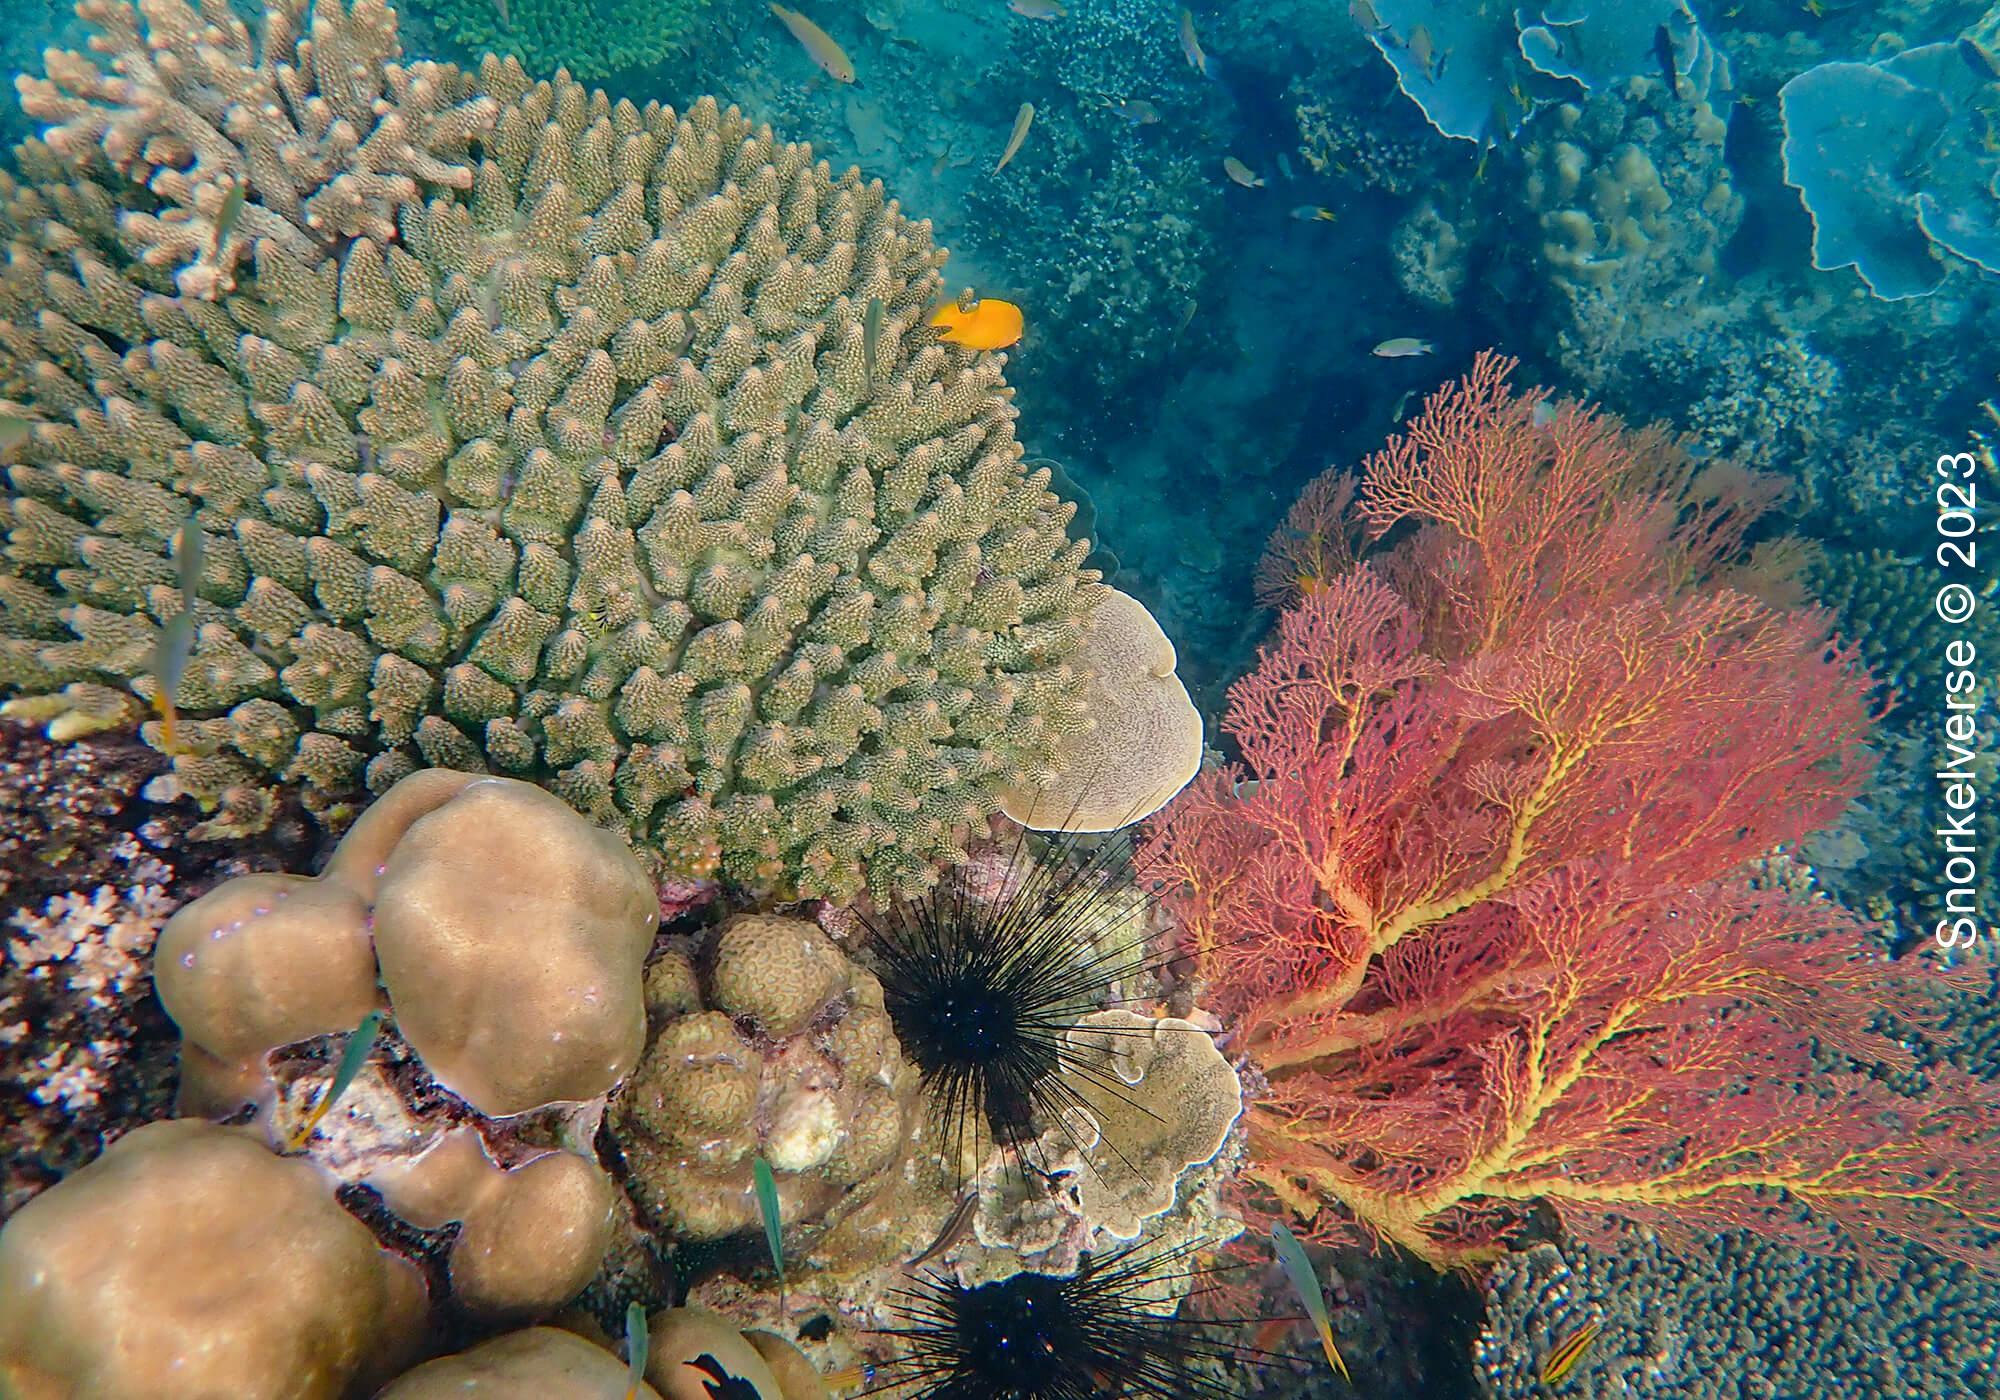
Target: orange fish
(984, 324)
(818, 44)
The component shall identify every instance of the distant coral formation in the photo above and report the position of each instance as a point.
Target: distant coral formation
(524, 431)
(1891, 164)
(593, 39)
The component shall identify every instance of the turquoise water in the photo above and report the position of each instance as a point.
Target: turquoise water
(1247, 242)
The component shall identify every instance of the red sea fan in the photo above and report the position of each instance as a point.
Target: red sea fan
(1477, 901)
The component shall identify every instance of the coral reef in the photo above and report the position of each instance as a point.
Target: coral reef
(1129, 258)
(1895, 162)
(1433, 920)
(187, 1230)
(509, 936)
(1141, 743)
(782, 1049)
(1632, 198)
(594, 39)
(522, 430)
(1675, 1323)
(89, 870)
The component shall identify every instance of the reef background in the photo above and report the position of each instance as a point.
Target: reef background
(1195, 354)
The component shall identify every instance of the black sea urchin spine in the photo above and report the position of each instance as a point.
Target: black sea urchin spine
(983, 988)
(1043, 1337)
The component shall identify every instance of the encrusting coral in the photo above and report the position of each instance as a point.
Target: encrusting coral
(523, 431)
(185, 1230)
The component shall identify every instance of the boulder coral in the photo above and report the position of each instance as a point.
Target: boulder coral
(777, 1046)
(190, 1261)
(508, 933)
(525, 432)
(509, 936)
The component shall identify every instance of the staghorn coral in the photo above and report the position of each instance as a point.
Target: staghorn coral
(593, 39)
(525, 431)
(782, 1049)
(158, 1271)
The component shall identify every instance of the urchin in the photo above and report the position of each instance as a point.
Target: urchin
(983, 987)
(1092, 1336)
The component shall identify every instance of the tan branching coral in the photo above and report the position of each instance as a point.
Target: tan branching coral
(535, 432)
(819, 1089)
(190, 1261)
(1141, 744)
(509, 935)
(529, 1238)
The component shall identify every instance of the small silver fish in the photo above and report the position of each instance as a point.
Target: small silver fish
(1191, 46)
(871, 339)
(1241, 173)
(1023, 119)
(189, 549)
(171, 651)
(1037, 9)
(232, 210)
(1401, 347)
(353, 1056)
(638, 1341)
(1305, 1282)
(766, 1185)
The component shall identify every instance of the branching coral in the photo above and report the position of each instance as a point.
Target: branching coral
(1480, 918)
(523, 430)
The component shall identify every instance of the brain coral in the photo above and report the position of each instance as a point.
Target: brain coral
(524, 430)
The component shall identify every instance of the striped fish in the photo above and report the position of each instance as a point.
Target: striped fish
(1563, 1358)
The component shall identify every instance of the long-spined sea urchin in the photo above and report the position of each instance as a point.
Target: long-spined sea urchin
(984, 986)
(1092, 1336)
